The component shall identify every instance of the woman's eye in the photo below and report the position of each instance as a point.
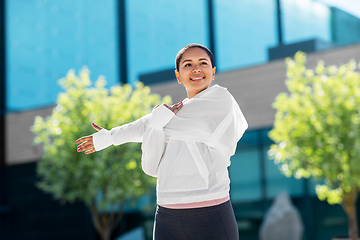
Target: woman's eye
(204, 63)
(186, 65)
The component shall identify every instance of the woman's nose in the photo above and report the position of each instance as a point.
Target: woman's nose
(196, 69)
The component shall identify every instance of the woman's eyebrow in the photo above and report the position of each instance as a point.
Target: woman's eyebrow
(189, 60)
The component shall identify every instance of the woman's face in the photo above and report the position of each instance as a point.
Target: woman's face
(195, 71)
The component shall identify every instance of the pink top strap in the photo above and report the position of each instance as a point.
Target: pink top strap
(197, 204)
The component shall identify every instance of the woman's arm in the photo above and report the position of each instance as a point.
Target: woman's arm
(154, 137)
(131, 132)
(214, 118)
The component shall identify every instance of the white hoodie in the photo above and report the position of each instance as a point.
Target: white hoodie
(188, 152)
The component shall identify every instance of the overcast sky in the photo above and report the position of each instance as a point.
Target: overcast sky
(350, 6)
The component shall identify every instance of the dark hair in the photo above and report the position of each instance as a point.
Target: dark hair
(193, 45)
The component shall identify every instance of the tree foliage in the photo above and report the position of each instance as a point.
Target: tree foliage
(317, 127)
(114, 172)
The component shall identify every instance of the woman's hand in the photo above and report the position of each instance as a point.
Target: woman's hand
(88, 142)
(174, 108)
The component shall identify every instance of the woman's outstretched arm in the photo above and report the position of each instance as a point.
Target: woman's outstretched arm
(131, 132)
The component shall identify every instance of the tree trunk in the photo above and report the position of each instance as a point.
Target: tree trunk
(349, 206)
(105, 223)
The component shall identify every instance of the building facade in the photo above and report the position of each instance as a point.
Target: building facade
(132, 40)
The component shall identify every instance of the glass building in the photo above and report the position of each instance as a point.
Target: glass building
(132, 40)
(45, 38)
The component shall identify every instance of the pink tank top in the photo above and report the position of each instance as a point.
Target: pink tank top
(196, 204)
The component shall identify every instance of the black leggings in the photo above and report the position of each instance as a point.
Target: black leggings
(207, 223)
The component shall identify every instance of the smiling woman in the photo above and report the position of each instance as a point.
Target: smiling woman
(195, 70)
(188, 146)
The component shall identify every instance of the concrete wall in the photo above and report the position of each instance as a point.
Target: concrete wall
(255, 89)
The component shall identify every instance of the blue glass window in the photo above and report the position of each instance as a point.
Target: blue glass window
(45, 39)
(254, 177)
(245, 175)
(304, 20)
(157, 30)
(276, 182)
(244, 30)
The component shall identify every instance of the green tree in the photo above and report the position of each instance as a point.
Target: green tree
(317, 131)
(115, 173)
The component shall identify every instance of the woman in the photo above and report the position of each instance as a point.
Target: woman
(187, 146)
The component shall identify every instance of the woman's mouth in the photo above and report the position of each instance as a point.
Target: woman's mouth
(197, 79)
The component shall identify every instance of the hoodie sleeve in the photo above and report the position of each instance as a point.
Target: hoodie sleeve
(131, 132)
(154, 139)
(212, 117)
(148, 130)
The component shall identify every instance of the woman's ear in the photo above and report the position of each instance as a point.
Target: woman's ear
(213, 75)
(177, 74)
